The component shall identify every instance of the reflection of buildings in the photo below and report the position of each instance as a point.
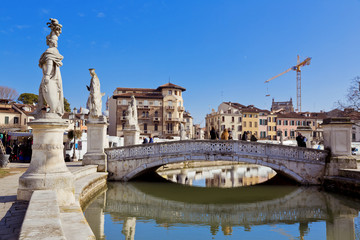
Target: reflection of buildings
(222, 176)
(126, 204)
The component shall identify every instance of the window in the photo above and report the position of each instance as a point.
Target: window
(269, 128)
(169, 114)
(274, 128)
(292, 123)
(170, 92)
(175, 92)
(244, 124)
(298, 123)
(256, 124)
(156, 113)
(274, 119)
(16, 120)
(223, 118)
(145, 127)
(244, 115)
(255, 116)
(156, 127)
(239, 119)
(269, 119)
(250, 115)
(232, 119)
(232, 127)
(278, 122)
(6, 120)
(147, 114)
(239, 128)
(143, 114)
(24, 121)
(229, 111)
(285, 122)
(250, 124)
(156, 103)
(292, 133)
(169, 103)
(285, 133)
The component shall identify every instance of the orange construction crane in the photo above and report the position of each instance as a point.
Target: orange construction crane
(298, 79)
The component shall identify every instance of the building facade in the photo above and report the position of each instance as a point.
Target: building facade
(14, 116)
(160, 110)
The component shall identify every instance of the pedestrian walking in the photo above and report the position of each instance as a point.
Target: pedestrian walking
(225, 135)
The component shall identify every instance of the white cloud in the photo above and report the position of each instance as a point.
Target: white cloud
(45, 11)
(81, 14)
(20, 27)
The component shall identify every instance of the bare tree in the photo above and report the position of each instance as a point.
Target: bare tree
(8, 93)
(352, 99)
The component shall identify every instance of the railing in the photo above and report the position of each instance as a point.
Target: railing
(156, 119)
(169, 107)
(250, 149)
(171, 119)
(181, 109)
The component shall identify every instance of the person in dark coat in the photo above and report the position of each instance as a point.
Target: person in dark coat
(244, 136)
(300, 140)
(253, 138)
(213, 133)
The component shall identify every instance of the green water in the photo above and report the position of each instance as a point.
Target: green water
(174, 211)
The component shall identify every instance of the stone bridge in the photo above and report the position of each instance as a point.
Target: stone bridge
(304, 165)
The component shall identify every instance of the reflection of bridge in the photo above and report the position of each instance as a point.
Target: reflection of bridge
(306, 166)
(285, 205)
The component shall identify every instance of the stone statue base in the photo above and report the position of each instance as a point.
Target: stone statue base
(47, 170)
(131, 136)
(96, 142)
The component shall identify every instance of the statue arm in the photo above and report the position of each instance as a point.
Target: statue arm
(47, 69)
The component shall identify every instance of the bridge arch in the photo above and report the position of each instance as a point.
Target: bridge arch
(303, 165)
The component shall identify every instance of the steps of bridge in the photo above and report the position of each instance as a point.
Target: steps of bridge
(350, 173)
(80, 171)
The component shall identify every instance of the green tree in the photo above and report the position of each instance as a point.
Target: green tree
(78, 134)
(28, 98)
(31, 98)
(66, 105)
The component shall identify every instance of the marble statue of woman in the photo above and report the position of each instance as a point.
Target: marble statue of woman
(51, 91)
(94, 102)
(132, 118)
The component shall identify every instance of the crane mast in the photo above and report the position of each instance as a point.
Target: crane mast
(296, 68)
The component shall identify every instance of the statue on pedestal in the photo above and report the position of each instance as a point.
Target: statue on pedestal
(131, 115)
(94, 102)
(51, 91)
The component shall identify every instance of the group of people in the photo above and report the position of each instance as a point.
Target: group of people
(226, 135)
(151, 140)
(301, 140)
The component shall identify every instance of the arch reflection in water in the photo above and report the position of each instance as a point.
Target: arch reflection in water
(221, 174)
(269, 211)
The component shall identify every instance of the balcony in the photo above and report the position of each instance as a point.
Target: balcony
(170, 108)
(156, 119)
(143, 107)
(171, 119)
(181, 109)
(122, 118)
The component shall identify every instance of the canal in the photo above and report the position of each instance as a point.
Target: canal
(220, 201)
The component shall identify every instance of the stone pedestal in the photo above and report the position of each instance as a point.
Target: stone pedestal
(47, 170)
(337, 135)
(306, 131)
(96, 142)
(131, 136)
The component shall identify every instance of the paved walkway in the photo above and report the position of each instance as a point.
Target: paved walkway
(12, 212)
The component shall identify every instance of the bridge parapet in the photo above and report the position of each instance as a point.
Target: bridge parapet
(301, 164)
(215, 147)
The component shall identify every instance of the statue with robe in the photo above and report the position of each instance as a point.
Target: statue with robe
(51, 96)
(131, 114)
(94, 102)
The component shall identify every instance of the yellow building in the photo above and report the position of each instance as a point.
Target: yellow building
(272, 125)
(250, 120)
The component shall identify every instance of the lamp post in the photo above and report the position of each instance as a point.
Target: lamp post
(73, 116)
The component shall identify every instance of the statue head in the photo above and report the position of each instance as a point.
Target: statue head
(92, 71)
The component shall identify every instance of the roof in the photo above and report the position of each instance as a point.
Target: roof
(153, 95)
(170, 85)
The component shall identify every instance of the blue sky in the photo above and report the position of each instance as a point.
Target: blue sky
(218, 50)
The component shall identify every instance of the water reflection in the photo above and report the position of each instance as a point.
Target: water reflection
(273, 212)
(219, 175)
